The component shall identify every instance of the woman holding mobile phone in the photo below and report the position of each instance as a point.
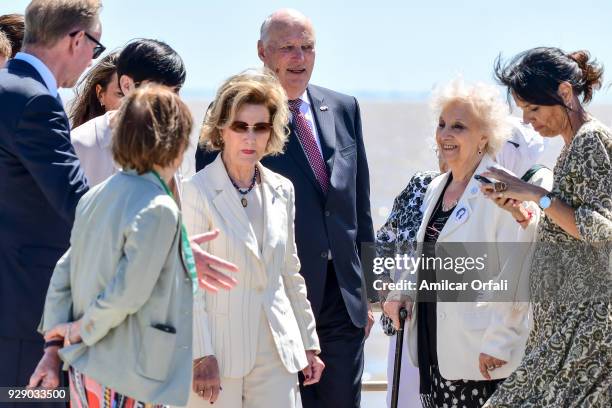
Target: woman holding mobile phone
(568, 361)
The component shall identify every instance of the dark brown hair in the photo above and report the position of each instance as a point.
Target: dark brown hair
(13, 26)
(153, 128)
(534, 75)
(86, 104)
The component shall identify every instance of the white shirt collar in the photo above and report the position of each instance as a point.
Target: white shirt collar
(304, 98)
(42, 69)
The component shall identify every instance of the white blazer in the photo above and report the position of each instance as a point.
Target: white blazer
(227, 323)
(92, 144)
(466, 329)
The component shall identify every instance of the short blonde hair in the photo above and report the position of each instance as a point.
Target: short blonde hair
(47, 21)
(257, 87)
(153, 128)
(5, 46)
(486, 103)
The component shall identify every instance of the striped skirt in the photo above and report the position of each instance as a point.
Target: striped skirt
(87, 393)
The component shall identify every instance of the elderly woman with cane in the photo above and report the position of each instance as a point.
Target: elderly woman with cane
(465, 348)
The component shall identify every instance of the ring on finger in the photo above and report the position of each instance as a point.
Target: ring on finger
(500, 186)
(491, 367)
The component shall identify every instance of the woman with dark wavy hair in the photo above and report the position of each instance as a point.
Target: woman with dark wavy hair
(568, 359)
(97, 92)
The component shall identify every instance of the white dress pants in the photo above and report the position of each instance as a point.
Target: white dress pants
(267, 385)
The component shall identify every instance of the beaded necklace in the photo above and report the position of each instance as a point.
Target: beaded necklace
(244, 192)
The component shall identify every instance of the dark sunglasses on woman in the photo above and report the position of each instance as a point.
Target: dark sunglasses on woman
(243, 127)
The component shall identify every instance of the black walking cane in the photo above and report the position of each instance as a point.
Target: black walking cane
(397, 366)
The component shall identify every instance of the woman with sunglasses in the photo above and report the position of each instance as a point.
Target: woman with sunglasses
(249, 345)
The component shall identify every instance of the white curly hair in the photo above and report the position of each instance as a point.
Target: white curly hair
(486, 103)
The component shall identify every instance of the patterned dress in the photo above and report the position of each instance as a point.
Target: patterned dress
(568, 359)
(85, 392)
(398, 233)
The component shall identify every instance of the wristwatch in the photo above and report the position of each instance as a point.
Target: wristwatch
(545, 201)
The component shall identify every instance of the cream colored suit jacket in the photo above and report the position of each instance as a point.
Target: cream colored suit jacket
(466, 329)
(226, 324)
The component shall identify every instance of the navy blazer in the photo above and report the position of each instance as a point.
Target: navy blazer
(339, 221)
(41, 183)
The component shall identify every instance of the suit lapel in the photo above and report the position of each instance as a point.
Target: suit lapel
(429, 204)
(227, 204)
(273, 206)
(326, 128)
(463, 210)
(461, 214)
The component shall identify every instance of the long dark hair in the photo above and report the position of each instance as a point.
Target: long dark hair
(534, 75)
(86, 105)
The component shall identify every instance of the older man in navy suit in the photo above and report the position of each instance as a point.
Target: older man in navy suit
(326, 161)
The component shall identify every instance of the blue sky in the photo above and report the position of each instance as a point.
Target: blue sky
(382, 49)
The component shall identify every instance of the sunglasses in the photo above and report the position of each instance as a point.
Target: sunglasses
(258, 128)
(98, 49)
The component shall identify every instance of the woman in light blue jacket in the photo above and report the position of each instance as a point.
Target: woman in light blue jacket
(120, 300)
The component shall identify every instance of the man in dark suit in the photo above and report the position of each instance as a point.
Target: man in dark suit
(41, 180)
(325, 159)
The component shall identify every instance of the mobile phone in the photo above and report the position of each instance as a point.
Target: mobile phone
(483, 179)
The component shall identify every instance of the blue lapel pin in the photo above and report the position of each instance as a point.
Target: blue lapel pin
(460, 213)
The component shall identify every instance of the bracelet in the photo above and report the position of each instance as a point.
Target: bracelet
(67, 336)
(53, 343)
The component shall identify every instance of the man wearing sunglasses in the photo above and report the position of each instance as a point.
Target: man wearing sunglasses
(325, 159)
(41, 177)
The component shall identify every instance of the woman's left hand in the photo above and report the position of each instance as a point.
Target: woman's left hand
(488, 363)
(47, 372)
(516, 189)
(70, 332)
(312, 373)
